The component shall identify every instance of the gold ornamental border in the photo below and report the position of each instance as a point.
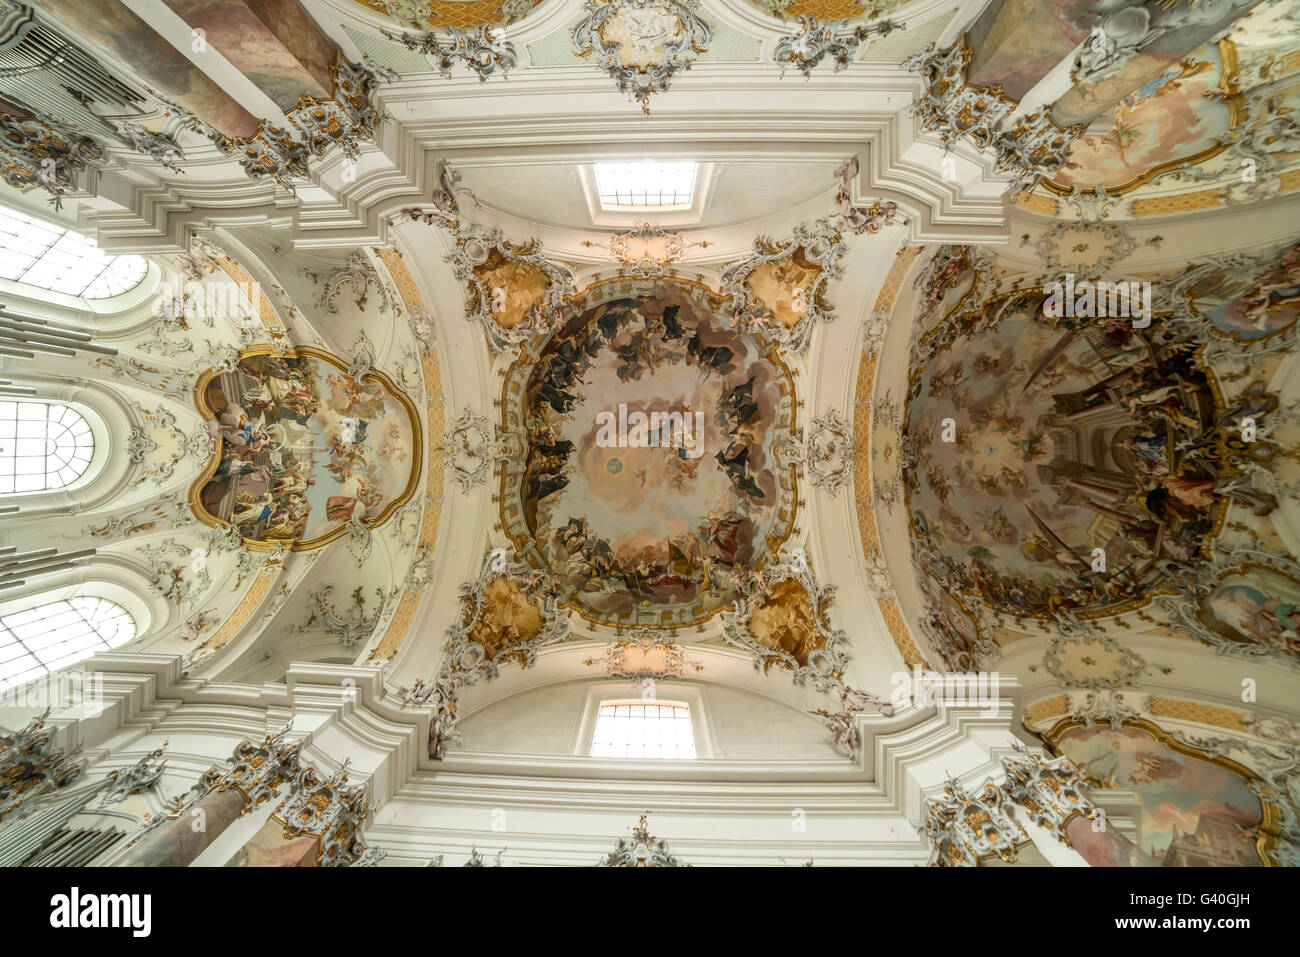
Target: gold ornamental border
(1269, 816)
(579, 303)
(302, 545)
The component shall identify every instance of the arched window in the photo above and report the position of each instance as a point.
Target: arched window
(43, 445)
(60, 260)
(45, 638)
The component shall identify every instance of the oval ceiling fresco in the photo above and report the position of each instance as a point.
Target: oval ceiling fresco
(304, 447)
(1181, 116)
(1065, 464)
(647, 480)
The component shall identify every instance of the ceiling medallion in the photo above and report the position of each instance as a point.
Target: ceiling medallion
(672, 247)
(830, 452)
(640, 460)
(779, 292)
(642, 44)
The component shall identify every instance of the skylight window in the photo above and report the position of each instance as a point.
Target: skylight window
(640, 730)
(647, 185)
(61, 260)
(55, 635)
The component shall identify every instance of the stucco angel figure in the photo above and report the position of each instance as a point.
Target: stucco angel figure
(844, 736)
(439, 694)
(860, 219)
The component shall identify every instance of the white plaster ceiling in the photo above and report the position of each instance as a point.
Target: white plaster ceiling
(553, 194)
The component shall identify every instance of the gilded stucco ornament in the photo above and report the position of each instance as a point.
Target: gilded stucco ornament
(26, 833)
(829, 455)
(861, 219)
(783, 620)
(779, 293)
(351, 117)
(511, 289)
(816, 40)
(642, 849)
(642, 44)
(256, 771)
(331, 811)
(507, 614)
(484, 49)
(1027, 147)
(31, 765)
(271, 153)
(646, 263)
(964, 827)
(42, 154)
(1050, 791)
(643, 655)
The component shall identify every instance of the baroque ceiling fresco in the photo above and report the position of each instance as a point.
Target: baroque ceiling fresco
(306, 448)
(633, 510)
(917, 438)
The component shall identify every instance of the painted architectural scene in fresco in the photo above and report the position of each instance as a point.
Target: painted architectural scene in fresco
(305, 448)
(1194, 813)
(1056, 465)
(655, 523)
(1178, 115)
(1251, 306)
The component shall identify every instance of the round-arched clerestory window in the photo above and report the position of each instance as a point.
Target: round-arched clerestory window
(48, 636)
(43, 446)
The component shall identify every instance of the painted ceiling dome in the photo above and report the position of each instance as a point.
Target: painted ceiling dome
(651, 482)
(1060, 463)
(520, 415)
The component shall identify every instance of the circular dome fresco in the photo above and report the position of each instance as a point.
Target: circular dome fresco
(646, 478)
